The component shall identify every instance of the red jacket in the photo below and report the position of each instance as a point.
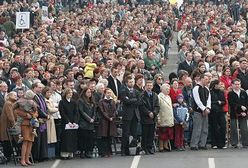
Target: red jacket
(227, 80)
(173, 94)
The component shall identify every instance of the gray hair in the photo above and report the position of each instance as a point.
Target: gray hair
(29, 95)
(104, 82)
(165, 86)
(99, 85)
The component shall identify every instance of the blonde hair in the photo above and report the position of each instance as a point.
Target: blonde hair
(10, 94)
(113, 95)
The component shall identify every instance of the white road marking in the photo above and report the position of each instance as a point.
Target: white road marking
(135, 162)
(211, 163)
(56, 163)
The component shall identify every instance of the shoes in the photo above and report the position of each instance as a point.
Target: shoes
(29, 163)
(23, 164)
(161, 150)
(224, 147)
(180, 149)
(214, 147)
(194, 148)
(203, 148)
(150, 151)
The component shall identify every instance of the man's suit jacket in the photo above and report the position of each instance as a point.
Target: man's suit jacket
(148, 106)
(185, 66)
(111, 85)
(130, 104)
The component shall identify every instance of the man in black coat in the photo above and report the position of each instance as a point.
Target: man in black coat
(238, 103)
(149, 109)
(188, 64)
(113, 83)
(130, 117)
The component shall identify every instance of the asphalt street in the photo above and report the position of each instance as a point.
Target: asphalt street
(226, 158)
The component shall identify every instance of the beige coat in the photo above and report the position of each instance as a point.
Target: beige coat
(165, 115)
(51, 130)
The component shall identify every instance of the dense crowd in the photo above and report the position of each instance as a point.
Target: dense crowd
(73, 80)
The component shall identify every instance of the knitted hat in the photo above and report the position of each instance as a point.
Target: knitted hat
(180, 96)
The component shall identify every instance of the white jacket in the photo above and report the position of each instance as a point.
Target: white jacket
(165, 115)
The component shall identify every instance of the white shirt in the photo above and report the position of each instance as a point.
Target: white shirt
(116, 86)
(197, 99)
(188, 62)
(237, 92)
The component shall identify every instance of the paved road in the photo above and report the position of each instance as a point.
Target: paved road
(227, 158)
(171, 65)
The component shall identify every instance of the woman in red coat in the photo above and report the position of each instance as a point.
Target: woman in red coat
(226, 78)
(174, 91)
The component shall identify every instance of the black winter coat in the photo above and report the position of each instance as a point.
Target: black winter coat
(149, 104)
(86, 113)
(216, 96)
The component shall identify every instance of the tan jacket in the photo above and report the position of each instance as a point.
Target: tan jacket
(165, 115)
(51, 130)
(7, 120)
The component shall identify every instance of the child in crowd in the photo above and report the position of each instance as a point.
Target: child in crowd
(28, 105)
(181, 116)
(89, 67)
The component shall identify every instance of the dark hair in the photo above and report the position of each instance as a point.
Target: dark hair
(181, 73)
(128, 78)
(203, 75)
(34, 85)
(173, 80)
(226, 68)
(195, 73)
(86, 99)
(214, 83)
(172, 75)
(236, 80)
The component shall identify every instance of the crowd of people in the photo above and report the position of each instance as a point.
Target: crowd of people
(72, 81)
